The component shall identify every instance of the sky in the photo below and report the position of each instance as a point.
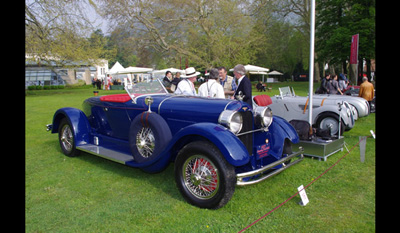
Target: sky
(99, 22)
(88, 10)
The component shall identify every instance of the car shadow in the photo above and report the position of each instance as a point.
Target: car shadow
(163, 181)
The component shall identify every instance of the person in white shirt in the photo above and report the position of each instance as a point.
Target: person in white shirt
(186, 86)
(212, 88)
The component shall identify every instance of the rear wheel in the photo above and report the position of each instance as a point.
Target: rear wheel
(67, 139)
(204, 178)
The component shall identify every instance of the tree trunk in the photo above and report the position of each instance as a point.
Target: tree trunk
(317, 77)
(360, 70)
(368, 69)
(353, 74)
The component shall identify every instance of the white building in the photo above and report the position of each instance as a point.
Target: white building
(50, 74)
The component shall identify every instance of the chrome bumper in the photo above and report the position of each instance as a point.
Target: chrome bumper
(240, 176)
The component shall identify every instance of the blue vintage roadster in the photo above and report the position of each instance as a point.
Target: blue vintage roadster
(215, 144)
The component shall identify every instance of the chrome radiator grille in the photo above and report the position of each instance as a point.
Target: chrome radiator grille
(247, 139)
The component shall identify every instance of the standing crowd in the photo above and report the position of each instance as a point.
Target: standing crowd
(331, 85)
(218, 85)
(221, 85)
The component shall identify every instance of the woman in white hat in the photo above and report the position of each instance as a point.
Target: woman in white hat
(186, 86)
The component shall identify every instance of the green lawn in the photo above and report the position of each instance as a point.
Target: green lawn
(91, 194)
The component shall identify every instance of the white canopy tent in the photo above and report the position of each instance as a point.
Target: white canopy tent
(258, 72)
(173, 70)
(129, 72)
(252, 69)
(275, 73)
(135, 70)
(141, 73)
(273, 79)
(116, 68)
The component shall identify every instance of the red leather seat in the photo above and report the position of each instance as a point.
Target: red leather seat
(118, 98)
(263, 100)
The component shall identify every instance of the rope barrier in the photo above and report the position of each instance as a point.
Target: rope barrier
(290, 198)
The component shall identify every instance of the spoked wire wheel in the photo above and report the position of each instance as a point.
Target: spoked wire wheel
(201, 177)
(145, 142)
(66, 139)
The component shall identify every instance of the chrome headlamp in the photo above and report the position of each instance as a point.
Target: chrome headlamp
(232, 120)
(348, 108)
(263, 116)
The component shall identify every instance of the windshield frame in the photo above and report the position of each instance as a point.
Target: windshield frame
(147, 87)
(285, 92)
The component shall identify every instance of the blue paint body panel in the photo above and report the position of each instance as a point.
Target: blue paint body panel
(188, 118)
(78, 121)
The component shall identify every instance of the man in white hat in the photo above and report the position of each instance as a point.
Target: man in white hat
(186, 86)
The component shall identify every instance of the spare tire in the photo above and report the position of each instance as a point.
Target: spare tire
(149, 134)
(330, 120)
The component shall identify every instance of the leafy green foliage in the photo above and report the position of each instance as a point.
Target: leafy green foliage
(337, 21)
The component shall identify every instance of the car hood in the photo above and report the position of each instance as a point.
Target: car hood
(193, 108)
(181, 111)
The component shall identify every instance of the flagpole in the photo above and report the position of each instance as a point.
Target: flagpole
(311, 66)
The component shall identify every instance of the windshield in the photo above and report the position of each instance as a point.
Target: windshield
(285, 91)
(146, 87)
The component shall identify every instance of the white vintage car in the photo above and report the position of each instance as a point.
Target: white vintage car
(326, 111)
(360, 104)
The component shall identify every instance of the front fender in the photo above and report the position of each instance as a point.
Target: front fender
(77, 119)
(229, 144)
(280, 129)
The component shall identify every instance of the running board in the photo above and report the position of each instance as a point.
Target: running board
(103, 152)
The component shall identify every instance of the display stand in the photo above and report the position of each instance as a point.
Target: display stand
(320, 148)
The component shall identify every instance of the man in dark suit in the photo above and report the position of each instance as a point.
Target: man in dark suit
(244, 84)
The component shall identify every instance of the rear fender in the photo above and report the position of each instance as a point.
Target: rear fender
(230, 146)
(280, 130)
(77, 119)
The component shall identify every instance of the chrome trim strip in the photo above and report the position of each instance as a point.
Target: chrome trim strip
(159, 106)
(240, 176)
(106, 153)
(252, 131)
(226, 106)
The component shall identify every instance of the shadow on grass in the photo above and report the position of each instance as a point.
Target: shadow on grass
(163, 181)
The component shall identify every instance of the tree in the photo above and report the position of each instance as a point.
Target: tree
(284, 35)
(362, 22)
(208, 33)
(337, 21)
(332, 32)
(56, 32)
(100, 46)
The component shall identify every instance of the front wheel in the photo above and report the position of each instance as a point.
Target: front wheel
(330, 121)
(204, 178)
